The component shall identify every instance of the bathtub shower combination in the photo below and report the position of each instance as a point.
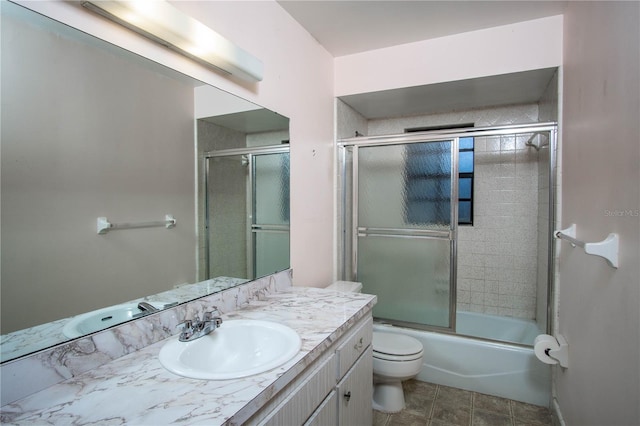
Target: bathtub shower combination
(451, 230)
(484, 366)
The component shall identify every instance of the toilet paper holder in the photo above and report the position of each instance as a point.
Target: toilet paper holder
(560, 351)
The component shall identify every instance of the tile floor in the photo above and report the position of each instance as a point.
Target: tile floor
(436, 405)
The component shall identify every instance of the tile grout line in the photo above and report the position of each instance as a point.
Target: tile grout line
(512, 414)
(433, 404)
(473, 408)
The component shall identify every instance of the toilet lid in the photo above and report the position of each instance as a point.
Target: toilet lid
(395, 344)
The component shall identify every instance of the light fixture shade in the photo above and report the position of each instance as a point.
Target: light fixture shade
(165, 24)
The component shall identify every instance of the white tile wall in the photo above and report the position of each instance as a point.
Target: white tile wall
(497, 255)
(348, 121)
(513, 114)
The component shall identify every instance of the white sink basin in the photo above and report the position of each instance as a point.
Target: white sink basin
(100, 319)
(238, 348)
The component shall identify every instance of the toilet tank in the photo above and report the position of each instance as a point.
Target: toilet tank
(346, 286)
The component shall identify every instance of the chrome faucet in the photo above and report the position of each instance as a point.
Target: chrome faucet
(147, 307)
(194, 329)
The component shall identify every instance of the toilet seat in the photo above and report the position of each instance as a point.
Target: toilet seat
(396, 347)
(397, 358)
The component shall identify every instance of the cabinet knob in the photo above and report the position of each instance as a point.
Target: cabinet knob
(358, 345)
(347, 396)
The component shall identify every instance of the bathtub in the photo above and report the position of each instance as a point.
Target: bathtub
(504, 329)
(498, 369)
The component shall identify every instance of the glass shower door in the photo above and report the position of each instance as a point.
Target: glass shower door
(226, 216)
(404, 227)
(246, 212)
(270, 216)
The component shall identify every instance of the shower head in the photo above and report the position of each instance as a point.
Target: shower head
(541, 144)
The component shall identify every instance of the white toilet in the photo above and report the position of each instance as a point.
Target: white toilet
(396, 357)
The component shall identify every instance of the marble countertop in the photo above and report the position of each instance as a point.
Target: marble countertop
(135, 389)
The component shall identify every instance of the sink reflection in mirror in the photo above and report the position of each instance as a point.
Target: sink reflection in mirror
(238, 348)
(101, 319)
(45, 335)
(107, 133)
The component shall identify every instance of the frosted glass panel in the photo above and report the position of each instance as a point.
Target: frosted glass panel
(244, 248)
(272, 252)
(227, 196)
(271, 189)
(405, 186)
(402, 190)
(410, 276)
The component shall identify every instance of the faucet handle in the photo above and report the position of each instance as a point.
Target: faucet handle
(209, 317)
(186, 325)
(187, 331)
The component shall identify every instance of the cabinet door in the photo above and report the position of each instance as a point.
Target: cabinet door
(327, 412)
(305, 397)
(355, 392)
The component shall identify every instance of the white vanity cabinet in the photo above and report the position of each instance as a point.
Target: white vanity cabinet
(336, 389)
(355, 392)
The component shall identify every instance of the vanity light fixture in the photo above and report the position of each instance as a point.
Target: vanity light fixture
(167, 25)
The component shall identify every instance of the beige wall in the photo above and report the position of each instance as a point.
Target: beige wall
(599, 306)
(500, 50)
(68, 159)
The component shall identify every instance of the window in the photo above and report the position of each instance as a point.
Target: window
(427, 182)
(465, 181)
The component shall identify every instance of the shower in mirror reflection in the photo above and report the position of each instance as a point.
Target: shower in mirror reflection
(244, 194)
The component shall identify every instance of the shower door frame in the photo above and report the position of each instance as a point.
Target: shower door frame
(358, 231)
(349, 235)
(252, 228)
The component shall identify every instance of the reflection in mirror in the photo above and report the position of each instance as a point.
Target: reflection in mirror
(245, 168)
(259, 241)
(90, 130)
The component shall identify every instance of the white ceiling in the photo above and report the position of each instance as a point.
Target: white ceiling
(345, 27)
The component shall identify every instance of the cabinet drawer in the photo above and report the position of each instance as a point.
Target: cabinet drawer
(304, 399)
(354, 346)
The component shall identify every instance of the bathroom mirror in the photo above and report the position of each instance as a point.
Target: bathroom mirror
(92, 131)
